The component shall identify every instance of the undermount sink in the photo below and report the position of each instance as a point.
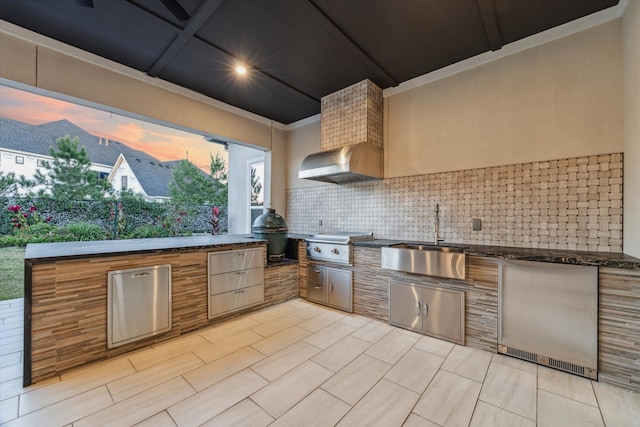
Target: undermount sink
(425, 259)
(427, 247)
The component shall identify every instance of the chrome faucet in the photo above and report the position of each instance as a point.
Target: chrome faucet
(436, 227)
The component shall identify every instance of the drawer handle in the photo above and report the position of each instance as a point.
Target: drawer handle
(317, 271)
(426, 309)
(240, 254)
(240, 291)
(418, 308)
(317, 286)
(241, 272)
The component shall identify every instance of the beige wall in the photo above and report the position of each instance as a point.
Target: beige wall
(631, 60)
(29, 59)
(300, 143)
(558, 100)
(276, 167)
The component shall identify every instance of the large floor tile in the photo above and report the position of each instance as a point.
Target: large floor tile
(244, 413)
(329, 335)
(414, 420)
(211, 373)
(66, 411)
(75, 385)
(434, 345)
(560, 411)
(130, 385)
(415, 370)
(141, 406)
(281, 340)
(308, 311)
(487, 415)
(567, 385)
(449, 400)
(322, 320)
(289, 389)
(227, 346)
(387, 404)
(391, 347)
(338, 355)
(163, 419)
(355, 320)
(619, 407)
(271, 313)
(201, 407)
(276, 325)
(229, 329)
(319, 409)
(515, 363)
(356, 379)
(373, 331)
(468, 362)
(285, 360)
(169, 350)
(512, 389)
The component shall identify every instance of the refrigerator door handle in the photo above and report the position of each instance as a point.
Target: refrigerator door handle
(500, 296)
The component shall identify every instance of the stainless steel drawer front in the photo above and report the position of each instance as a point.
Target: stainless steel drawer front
(138, 304)
(226, 282)
(225, 262)
(235, 300)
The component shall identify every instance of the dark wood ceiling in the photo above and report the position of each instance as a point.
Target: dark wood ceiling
(298, 50)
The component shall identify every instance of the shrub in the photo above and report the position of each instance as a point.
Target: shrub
(84, 231)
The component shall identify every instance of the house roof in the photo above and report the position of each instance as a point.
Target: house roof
(154, 175)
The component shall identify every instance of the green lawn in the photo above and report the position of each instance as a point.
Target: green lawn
(11, 273)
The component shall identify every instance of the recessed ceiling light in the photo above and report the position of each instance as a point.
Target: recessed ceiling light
(241, 69)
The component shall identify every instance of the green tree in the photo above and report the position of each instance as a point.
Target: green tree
(8, 184)
(190, 185)
(255, 187)
(69, 176)
(218, 172)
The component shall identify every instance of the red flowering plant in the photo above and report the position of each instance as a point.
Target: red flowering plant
(22, 219)
(215, 220)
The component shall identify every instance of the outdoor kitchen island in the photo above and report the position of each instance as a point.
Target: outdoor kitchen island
(66, 294)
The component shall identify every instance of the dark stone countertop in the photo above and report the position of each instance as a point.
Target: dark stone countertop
(602, 259)
(51, 251)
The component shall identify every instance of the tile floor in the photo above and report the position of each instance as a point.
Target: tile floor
(300, 364)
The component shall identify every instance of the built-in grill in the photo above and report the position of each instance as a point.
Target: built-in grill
(334, 247)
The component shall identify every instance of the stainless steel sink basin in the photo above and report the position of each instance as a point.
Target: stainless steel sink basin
(426, 247)
(429, 260)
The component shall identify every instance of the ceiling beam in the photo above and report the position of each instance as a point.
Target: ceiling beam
(201, 16)
(339, 35)
(490, 22)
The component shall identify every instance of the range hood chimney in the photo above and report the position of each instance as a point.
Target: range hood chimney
(351, 137)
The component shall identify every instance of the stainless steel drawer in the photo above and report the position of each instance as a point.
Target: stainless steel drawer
(138, 304)
(235, 280)
(235, 300)
(315, 274)
(228, 261)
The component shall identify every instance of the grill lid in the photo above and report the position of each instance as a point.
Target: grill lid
(340, 237)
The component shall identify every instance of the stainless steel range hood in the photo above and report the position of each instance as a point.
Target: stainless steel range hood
(350, 163)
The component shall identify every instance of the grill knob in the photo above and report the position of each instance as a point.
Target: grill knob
(335, 251)
(317, 249)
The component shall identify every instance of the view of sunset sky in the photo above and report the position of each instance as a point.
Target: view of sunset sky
(163, 143)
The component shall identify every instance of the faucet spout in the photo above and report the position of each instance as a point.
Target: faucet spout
(436, 226)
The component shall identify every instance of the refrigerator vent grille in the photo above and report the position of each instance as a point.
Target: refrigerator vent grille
(521, 354)
(548, 361)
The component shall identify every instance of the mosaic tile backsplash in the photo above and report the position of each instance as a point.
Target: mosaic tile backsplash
(573, 204)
